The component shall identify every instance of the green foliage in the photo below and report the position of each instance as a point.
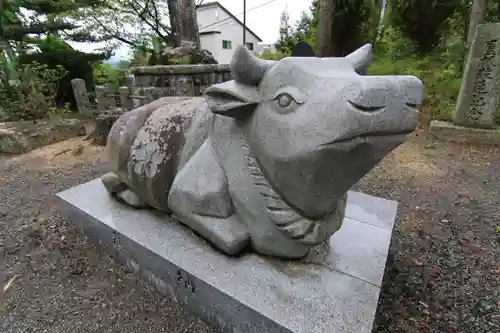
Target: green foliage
(76, 63)
(423, 22)
(287, 39)
(268, 55)
(355, 22)
(32, 31)
(395, 45)
(185, 60)
(24, 22)
(441, 73)
(32, 95)
(105, 74)
(290, 35)
(139, 58)
(352, 25)
(51, 44)
(136, 23)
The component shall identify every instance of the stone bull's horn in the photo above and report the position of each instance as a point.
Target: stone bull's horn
(248, 69)
(361, 58)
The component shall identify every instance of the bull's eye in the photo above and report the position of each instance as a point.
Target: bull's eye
(287, 99)
(284, 100)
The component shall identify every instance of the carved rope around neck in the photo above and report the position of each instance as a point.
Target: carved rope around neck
(286, 219)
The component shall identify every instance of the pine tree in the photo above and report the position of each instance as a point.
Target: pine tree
(36, 30)
(286, 40)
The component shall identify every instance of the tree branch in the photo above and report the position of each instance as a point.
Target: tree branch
(144, 19)
(19, 31)
(121, 39)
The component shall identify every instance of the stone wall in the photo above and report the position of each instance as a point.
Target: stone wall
(148, 84)
(177, 80)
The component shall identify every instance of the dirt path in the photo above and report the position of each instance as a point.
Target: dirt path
(443, 273)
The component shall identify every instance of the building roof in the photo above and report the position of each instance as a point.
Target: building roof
(210, 32)
(216, 3)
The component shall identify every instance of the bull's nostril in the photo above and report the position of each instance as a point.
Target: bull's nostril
(366, 108)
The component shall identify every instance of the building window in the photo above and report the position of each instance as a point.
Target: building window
(226, 44)
(250, 46)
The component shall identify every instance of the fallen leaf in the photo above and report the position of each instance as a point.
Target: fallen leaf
(77, 151)
(423, 304)
(8, 285)
(417, 262)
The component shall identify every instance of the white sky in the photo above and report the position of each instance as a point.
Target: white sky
(264, 21)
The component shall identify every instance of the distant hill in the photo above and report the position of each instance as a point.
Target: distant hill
(113, 62)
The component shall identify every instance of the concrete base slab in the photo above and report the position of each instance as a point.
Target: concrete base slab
(334, 289)
(449, 132)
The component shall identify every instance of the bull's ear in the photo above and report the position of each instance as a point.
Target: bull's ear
(361, 59)
(232, 99)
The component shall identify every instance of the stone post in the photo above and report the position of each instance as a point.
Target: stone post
(105, 98)
(81, 96)
(125, 98)
(148, 93)
(129, 81)
(478, 98)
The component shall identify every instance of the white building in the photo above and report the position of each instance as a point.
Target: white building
(267, 48)
(221, 32)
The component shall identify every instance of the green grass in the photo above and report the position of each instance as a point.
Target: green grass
(441, 82)
(442, 79)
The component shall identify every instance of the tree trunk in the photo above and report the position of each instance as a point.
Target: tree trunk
(174, 22)
(324, 35)
(477, 16)
(183, 22)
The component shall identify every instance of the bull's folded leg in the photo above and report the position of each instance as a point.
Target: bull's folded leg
(200, 198)
(227, 234)
(121, 192)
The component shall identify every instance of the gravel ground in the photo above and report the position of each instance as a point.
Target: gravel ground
(62, 283)
(443, 273)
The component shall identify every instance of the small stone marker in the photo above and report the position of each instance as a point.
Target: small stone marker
(478, 98)
(81, 96)
(105, 98)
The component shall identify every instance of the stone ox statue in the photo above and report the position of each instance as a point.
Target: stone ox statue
(264, 160)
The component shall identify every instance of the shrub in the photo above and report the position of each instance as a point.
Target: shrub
(423, 22)
(105, 74)
(77, 64)
(395, 44)
(53, 53)
(268, 55)
(33, 94)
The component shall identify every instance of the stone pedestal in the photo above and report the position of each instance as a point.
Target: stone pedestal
(448, 132)
(334, 289)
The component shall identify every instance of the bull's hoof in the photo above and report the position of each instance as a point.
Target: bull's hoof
(131, 199)
(112, 183)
